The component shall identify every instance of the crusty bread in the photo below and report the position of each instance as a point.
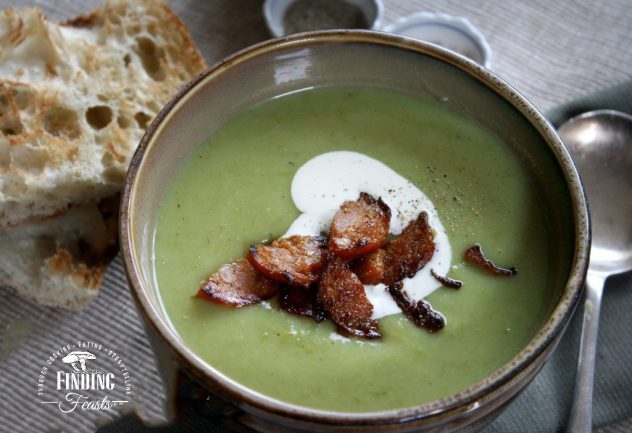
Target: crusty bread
(60, 261)
(75, 99)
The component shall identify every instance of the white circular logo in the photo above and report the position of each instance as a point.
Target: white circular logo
(84, 376)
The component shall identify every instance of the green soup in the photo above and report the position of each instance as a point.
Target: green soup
(234, 190)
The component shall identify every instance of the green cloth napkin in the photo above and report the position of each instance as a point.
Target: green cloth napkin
(545, 403)
(615, 98)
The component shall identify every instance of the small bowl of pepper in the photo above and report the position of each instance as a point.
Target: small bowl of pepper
(285, 17)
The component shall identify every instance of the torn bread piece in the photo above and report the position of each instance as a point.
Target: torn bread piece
(75, 100)
(61, 261)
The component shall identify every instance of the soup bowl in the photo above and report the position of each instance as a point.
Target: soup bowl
(365, 58)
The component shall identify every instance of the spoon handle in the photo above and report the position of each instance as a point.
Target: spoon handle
(580, 420)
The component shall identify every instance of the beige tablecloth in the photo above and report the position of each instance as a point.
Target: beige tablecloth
(551, 51)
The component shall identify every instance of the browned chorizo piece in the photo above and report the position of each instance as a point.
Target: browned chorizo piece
(410, 251)
(302, 302)
(475, 255)
(296, 260)
(420, 312)
(341, 294)
(370, 269)
(359, 227)
(446, 281)
(237, 284)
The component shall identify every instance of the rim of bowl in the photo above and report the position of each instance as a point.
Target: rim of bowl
(549, 330)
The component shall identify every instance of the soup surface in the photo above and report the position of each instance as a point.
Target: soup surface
(234, 191)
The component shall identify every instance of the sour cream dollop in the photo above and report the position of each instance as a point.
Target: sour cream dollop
(323, 183)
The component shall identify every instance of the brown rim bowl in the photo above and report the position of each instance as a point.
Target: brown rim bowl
(329, 58)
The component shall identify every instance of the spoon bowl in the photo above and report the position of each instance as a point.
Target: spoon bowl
(601, 144)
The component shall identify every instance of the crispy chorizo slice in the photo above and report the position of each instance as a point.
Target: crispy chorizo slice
(237, 284)
(302, 302)
(370, 269)
(475, 255)
(410, 251)
(342, 295)
(359, 227)
(446, 281)
(420, 312)
(296, 260)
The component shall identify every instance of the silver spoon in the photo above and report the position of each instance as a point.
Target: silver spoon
(601, 144)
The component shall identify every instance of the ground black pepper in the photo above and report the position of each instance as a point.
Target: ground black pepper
(306, 15)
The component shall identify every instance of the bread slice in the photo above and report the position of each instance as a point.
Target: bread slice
(60, 261)
(75, 99)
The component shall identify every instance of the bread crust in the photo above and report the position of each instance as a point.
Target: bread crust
(75, 99)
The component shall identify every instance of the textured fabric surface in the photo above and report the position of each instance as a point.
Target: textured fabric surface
(552, 52)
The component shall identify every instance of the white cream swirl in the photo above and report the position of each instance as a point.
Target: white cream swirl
(323, 183)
